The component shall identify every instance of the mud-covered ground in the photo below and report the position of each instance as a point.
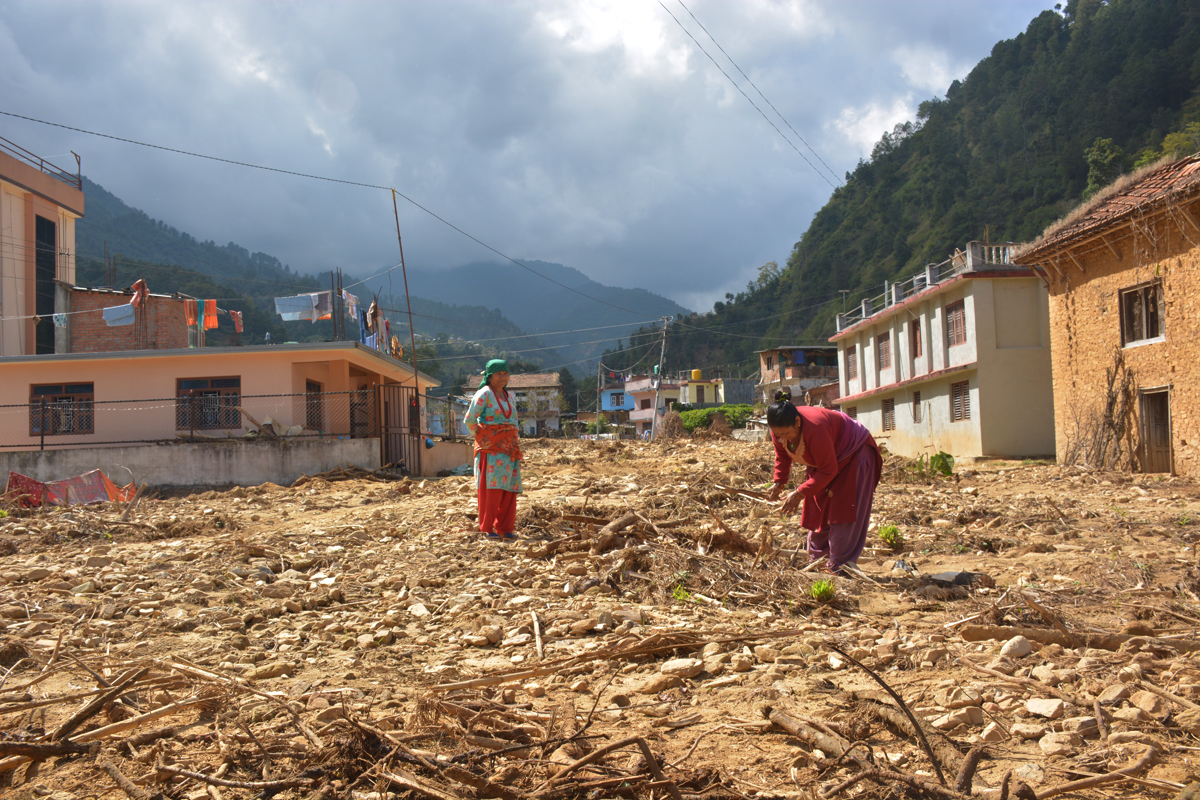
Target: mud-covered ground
(354, 638)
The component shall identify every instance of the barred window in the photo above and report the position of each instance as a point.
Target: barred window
(914, 338)
(61, 408)
(852, 412)
(960, 401)
(956, 323)
(207, 403)
(883, 343)
(889, 414)
(916, 411)
(851, 363)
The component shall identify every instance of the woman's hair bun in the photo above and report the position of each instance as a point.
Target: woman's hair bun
(783, 396)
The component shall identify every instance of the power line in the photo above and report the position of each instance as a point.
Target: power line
(248, 165)
(760, 94)
(748, 100)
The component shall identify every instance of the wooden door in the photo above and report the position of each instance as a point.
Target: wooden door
(1156, 432)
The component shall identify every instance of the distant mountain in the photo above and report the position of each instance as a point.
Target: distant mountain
(539, 306)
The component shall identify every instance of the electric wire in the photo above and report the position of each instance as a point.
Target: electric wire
(760, 94)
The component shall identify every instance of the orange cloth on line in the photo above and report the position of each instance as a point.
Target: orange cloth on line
(500, 439)
(210, 314)
(140, 293)
(237, 320)
(190, 311)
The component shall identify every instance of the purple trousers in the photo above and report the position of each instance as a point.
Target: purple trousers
(844, 542)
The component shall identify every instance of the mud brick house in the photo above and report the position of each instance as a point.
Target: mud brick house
(39, 204)
(954, 359)
(796, 369)
(1123, 272)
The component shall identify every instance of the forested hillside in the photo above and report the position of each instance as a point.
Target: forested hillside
(1057, 111)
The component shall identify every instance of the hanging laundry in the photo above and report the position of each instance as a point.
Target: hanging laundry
(370, 341)
(210, 314)
(237, 320)
(351, 303)
(397, 349)
(387, 334)
(140, 293)
(118, 315)
(323, 305)
(372, 316)
(362, 325)
(60, 320)
(190, 311)
(298, 307)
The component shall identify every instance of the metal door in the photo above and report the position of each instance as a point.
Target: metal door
(1156, 431)
(400, 431)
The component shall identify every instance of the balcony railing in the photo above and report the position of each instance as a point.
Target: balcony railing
(977, 257)
(43, 165)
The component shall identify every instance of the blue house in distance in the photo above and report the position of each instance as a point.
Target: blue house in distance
(616, 403)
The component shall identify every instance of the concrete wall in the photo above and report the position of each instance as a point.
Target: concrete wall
(237, 463)
(1085, 332)
(446, 455)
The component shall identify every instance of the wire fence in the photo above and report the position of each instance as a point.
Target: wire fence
(69, 418)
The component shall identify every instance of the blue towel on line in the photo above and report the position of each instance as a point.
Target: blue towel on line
(118, 315)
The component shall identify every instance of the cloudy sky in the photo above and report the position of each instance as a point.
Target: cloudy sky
(593, 133)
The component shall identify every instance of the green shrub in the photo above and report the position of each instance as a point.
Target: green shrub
(892, 537)
(735, 415)
(822, 590)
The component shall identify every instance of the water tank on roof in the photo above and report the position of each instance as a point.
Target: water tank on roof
(697, 375)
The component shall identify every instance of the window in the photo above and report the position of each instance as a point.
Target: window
(314, 406)
(916, 412)
(960, 401)
(889, 414)
(770, 363)
(852, 412)
(883, 343)
(645, 404)
(851, 363)
(207, 403)
(618, 399)
(61, 408)
(914, 338)
(956, 323)
(1142, 313)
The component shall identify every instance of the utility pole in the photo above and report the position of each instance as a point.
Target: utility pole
(662, 353)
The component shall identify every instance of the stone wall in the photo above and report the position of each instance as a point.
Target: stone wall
(1085, 332)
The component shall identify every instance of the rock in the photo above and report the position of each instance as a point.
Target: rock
(366, 641)
(418, 610)
(1138, 628)
(836, 662)
(1114, 693)
(1151, 703)
(581, 686)
(682, 667)
(741, 663)
(971, 715)
(957, 697)
(1136, 737)
(1030, 773)
(535, 690)
(1016, 647)
(712, 649)
(1045, 674)
(1041, 707)
(477, 640)
(1059, 744)
(992, 733)
(1084, 726)
(659, 683)
(1131, 714)
(493, 633)
(1028, 730)
(1189, 720)
(766, 654)
(270, 670)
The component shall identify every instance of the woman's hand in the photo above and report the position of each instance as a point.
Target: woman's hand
(792, 502)
(776, 490)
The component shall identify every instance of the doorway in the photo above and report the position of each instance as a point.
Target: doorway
(1156, 430)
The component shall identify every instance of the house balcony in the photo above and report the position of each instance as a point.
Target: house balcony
(641, 414)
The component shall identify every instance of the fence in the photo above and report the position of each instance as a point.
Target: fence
(42, 164)
(69, 418)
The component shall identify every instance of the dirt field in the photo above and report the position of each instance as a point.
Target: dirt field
(652, 634)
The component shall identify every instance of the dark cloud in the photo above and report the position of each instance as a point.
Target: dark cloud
(594, 134)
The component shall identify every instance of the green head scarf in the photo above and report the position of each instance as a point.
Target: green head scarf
(493, 366)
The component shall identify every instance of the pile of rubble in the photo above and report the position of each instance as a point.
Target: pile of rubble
(1028, 630)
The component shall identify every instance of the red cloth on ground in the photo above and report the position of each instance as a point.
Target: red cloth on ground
(210, 314)
(90, 487)
(497, 509)
(829, 487)
(190, 311)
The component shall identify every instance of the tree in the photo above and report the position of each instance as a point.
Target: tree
(570, 389)
(1104, 165)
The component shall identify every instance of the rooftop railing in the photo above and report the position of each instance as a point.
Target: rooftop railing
(976, 258)
(43, 165)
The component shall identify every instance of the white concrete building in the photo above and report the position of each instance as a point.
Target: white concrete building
(955, 359)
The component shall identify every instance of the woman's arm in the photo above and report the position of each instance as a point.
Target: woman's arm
(475, 410)
(819, 444)
(783, 468)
